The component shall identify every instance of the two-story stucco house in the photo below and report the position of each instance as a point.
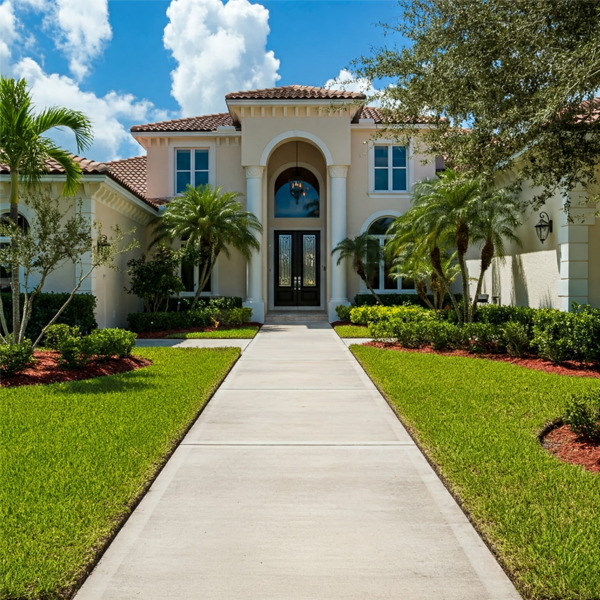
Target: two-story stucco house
(308, 166)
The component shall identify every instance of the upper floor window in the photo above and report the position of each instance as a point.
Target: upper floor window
(191, 168)
(390, 166)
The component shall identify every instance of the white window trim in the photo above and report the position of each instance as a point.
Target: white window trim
(363, 288)
(194, 145)
(389, 194)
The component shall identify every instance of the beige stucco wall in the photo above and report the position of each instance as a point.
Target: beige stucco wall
(113, 302)
(594, 263)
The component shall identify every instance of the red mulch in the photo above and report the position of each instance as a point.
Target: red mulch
(538, 364)
(45, 369)
(157, 335)
(568, 447)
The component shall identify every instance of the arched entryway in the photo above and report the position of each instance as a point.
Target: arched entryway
(297, 226)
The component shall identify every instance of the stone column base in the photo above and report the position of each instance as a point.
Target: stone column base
(258, 310)
(332, 315)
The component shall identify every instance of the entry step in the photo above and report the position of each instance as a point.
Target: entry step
(295, 315)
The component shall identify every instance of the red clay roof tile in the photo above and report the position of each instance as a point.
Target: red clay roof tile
(202, 123)
(295, 92)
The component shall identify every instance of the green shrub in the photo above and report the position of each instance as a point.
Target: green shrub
(398, 299)
(516, 338)
(219, 302)
(343, 312)
(233, 316)
(78, 313)
(443, 335)
(553, 335)
(483, 337)
(75, 352)
(56, 334)
(108, 343)
(14, 358)
(364, 315)
(199, 317)
(583, 414)
(501, 314)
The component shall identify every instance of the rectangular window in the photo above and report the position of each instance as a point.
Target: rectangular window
(390, 169)
(188, 162)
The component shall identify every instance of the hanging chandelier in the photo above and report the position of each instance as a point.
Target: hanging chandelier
(297, 185)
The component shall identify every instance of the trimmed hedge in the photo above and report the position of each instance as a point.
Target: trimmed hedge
(399, 299)
(79, 312)
(200, 317)
(552, 334)
(220, 302)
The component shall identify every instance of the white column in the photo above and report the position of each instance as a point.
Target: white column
(254, 286)
(574, 253)
(337, 232)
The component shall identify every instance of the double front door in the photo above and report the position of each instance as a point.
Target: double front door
(297, 269)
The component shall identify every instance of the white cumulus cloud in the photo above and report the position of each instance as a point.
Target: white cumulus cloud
(82, 29)
(219, 48)
(111, 139)
(346, 80)
(8, 33)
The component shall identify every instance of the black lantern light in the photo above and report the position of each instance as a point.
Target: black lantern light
(102, 242)
(543, 227)
(297, 185)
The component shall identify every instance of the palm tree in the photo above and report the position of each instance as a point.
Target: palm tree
(26, 150)
(364, 253)
(411, 258)
(209, 221)
(497, 216)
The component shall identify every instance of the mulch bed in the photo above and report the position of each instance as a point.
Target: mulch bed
(45, 369)
(573, 449)
(158, 335)
(538, 364)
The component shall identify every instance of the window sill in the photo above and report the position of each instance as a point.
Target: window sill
(390, 195)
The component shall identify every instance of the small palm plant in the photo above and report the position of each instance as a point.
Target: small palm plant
(26, 150)
(209, 221)
(365, 255)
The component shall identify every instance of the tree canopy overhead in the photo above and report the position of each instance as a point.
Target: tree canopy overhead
(501, 82)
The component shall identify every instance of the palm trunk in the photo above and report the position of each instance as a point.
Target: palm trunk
(437, 265)
(487, 254)
(206, 271)
(14, 266)
(422, 292)
(363, 276)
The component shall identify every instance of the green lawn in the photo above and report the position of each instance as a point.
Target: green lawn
(75, 456)
(246, 332)
(352, 331)
(478, 421)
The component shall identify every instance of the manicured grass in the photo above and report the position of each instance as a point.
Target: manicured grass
(352, 331)
(219, 334)
(478, 421)
(75, 456)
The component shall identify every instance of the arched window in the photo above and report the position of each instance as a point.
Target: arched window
(383, 282)
(307, 206)
(5, 272)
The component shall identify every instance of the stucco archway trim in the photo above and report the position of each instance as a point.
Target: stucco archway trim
(381, 213)
(282, 137)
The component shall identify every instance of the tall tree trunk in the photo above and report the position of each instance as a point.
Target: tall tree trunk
(14, 267)
(487, 254)
(422, 291)
(462, 245)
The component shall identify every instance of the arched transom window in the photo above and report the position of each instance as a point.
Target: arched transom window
(383, 281)
(307, 206)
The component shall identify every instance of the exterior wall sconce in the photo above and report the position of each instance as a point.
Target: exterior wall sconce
(543, 227)
(102, 242)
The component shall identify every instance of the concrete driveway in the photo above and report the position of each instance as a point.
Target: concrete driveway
(298, 483)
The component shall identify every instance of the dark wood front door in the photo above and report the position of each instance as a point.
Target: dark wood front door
(297, 269)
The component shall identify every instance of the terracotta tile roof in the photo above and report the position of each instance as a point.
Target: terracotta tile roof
(295, 92)
(203, 123)
(129, 173)
(372, 112)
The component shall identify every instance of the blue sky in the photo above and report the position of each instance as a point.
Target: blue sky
(130, 61)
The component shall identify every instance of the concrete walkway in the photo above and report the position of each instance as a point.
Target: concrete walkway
(201, 343)
(297, 483)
